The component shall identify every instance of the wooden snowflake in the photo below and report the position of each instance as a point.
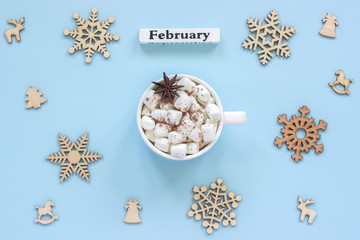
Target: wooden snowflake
(74, 157)
(91, 35)
(34, 98)
(300, 144)
(214, 206)
(268, 37)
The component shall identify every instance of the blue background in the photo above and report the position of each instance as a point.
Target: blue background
(102, 97)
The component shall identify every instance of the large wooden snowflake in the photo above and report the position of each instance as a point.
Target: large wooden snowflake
(91, 35)
(214, 206)
(300, 144)
(74, 157)
(268, 37)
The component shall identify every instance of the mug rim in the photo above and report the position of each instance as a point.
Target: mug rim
(168, 155)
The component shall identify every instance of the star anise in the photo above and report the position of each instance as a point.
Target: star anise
(167, 89)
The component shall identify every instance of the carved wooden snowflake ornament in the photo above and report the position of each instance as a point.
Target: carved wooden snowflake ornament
(268, 37)
(214, 206)
(300, 144)
(91, 35)
(74, 157)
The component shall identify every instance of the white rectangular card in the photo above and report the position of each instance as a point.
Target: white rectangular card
(179, 35)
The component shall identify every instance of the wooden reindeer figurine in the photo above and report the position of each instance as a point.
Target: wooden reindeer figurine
(342, 81)
(47, 210)
(14, 31)
(328, 30)
(306, 211)
(132, 215)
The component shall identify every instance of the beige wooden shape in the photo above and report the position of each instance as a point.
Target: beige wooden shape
(214, 206)
(91, 35)
(34, 98)
(46, 210)
(74, 157)
(268, 37)
(296, 123)
(342, 81)
(132, 215)
(328, 30)
(305, 210)
(15, 31)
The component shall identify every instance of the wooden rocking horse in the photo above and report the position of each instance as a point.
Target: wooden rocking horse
(342, 81)
(47, 210)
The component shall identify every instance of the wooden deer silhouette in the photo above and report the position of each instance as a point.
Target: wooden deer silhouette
(306, 211)
(14, 31)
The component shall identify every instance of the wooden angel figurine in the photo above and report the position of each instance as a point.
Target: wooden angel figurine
(328, 29)
(132, 215)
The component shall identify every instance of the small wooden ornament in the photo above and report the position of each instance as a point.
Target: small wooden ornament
(305, 210)
(268, 37)
(296, 123)
(34, 98)
(328, 30)
(91, 35)
(342, 81)
(132, 215)
(214, 206)
(74, 157)
(46, 210)
(15, 31)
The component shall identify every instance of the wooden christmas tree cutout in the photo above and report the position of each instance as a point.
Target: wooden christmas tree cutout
(46, 210)
(214, 206)
(91, 35)
(14, 31)
(268, 37)
(328, 30)
(74, 157)
(305, 210)
(132, 215)
(311, 130)
(34, 98)
(342, 81)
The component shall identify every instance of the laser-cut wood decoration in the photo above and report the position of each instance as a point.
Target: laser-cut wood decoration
(132, 215)
(214, 206)
(74, 157)
(91, 35)
(34, 98)
(305, 210)
(307, 124)
(15, 31)
(342, 81)
(328, 30)
(46, 210)
(268, 37)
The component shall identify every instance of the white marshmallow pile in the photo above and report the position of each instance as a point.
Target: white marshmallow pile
(184, 126)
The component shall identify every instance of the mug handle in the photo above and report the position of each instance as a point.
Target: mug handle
(234, 118)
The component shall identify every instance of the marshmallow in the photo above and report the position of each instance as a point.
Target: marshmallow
(162, 144)
(211, 100)
(162, 130)
(178, 150)
(152, 99)
(202, 93)
(158, 115)
(175, 137)
(196, 135)
(185, 127)
(183, 102)
(192, 148)
(173, 117)
(213, 112)
(195, 106)
(166, 105)
(147, 123)
(189, 85)
(150, 134)
(208, 131)
(198, 118)
(146, 111)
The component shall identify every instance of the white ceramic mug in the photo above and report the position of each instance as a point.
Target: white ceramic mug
(228, 118)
